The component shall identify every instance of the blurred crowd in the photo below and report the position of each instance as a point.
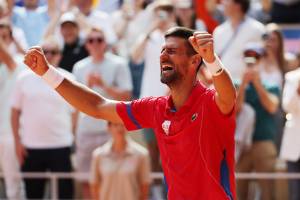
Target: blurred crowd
(113, 47)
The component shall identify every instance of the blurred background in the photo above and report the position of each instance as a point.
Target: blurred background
(49, 150)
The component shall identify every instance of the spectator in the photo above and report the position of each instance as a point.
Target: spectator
(264, 99)
(148, 49)
(234, 33)
(9, 69)
(186, 16)
(120, 168)
(73, 46)
(109, 75)
(33, 19)
(42, 141)
(130, 22)
(261, 10)
(13, 45)
(89, 17)
(290, 147)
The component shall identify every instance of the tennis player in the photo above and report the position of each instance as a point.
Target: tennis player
(194, 125)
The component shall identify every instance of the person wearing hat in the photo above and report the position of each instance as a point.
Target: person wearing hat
(73, 46)
(263, 97)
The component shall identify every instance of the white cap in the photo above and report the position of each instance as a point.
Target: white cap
(68, 17)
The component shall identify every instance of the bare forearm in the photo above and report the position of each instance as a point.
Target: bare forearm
(87, 101)
(138, 51)
(225, 90)
(269, 101)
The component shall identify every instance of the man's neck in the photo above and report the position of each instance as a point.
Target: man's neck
(180, 93)
(236, 20)
(97, 58)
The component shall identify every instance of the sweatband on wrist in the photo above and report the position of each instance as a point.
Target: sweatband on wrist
(53, 77)
(215, 67)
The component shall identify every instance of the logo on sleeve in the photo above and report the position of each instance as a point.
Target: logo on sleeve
(166, 126)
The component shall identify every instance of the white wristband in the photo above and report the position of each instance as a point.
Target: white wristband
(215, 67)
(53, 77)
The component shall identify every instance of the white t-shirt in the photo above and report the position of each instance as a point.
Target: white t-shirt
(46, 118)
(151, 85)
(115, 72)
(249, 30)
(7, 82)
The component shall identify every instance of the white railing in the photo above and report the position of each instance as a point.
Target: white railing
(54, 177)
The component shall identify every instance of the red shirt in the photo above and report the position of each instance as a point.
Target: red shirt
(196, 143)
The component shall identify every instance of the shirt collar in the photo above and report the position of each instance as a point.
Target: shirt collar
(198, 89)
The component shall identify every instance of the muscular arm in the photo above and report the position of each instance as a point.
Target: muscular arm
(88, 101)
(226, 94)
(78, 95)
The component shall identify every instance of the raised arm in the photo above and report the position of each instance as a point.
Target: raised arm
(226, 93)
(78, 95)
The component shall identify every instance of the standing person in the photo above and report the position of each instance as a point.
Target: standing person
(231, 36)
(290, 146)
(194, 125)
(120, 168)
(9, 70)
(109, 75)
(263, 97)
(42, 140)
(33, 19)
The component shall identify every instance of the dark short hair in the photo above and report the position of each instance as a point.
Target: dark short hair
(245, 4)
(185, 33)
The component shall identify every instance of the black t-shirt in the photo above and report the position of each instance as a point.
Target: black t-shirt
(71, 54)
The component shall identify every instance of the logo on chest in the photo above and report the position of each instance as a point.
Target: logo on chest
(194, 117)
(166, 126)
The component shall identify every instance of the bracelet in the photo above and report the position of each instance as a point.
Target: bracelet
(53, 77)
(215, 67)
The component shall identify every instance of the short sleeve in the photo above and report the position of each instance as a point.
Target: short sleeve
(138, 113)
(94, 172)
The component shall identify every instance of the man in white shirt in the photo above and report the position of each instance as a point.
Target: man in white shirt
(9, 70)
(43, 140)
(109, 75)
(290, 147)
(231, 36)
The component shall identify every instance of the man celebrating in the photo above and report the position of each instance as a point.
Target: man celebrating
(194, 126)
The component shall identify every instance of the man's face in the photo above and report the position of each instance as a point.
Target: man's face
(52, 53)
(229, 7)
(174, 60)
(95, 43)
(70, 32)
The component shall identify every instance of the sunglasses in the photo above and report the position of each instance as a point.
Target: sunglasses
(95, 40)
(52, 52)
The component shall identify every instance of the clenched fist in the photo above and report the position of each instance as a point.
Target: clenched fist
(36, 60)
(203, 44)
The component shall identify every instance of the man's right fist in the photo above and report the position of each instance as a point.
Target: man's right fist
(36, 60)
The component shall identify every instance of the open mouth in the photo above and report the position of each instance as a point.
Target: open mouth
(166, 67)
